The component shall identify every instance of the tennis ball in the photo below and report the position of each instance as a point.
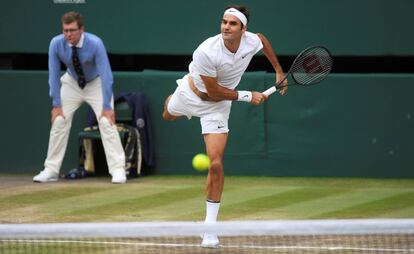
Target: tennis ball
(201, 162)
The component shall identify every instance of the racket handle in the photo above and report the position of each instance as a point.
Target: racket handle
(270, 91)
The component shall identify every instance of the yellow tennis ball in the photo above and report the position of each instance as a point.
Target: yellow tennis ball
(201, 162)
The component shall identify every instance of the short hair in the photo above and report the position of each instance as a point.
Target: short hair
(242, 9)
(72, 16)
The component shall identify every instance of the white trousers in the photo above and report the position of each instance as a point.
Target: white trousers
(72, 97)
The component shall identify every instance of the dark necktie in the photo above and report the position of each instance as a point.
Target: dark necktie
(78, 68)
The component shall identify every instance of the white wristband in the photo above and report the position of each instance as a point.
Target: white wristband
(245, 96)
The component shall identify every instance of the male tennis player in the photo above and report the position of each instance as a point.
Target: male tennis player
(88, 79)
(209, 89)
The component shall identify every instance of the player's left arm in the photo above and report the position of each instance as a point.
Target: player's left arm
(271, 56)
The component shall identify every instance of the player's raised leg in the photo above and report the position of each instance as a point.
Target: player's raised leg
(166, 115)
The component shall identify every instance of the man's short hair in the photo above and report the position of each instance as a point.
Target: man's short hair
(72, 16)
(242, 9)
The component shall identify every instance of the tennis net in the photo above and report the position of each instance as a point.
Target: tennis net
(295, 236)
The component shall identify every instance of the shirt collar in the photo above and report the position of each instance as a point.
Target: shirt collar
(80, 42)
(227, 51)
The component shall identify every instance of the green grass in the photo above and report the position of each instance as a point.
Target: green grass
(170, 198)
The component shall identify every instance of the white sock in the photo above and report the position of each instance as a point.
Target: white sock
(212, 209)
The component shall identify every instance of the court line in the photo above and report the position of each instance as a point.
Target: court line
(149, 244)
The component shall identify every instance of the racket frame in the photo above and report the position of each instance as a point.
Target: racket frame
(279, 85)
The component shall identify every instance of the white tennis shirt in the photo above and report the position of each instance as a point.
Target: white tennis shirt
(213, 59)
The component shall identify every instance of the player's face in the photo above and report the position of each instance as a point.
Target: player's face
(231, 28)
(72, 32)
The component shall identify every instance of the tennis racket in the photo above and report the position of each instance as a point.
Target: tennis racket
(310, 67)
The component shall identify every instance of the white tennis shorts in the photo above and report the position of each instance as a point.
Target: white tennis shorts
(213, 116)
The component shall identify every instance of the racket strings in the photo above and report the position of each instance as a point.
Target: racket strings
(312, 66)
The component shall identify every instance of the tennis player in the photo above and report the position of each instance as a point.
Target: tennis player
(208, 90)
(88, 79)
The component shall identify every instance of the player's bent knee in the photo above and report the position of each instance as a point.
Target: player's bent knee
(167, 116)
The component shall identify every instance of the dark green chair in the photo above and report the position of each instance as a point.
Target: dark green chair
(123, 115)
(123, 119)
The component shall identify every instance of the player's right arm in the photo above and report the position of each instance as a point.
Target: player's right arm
(205, 67)
(218, 92)
(215, 91)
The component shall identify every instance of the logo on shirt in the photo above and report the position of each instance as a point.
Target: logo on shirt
(244, 56)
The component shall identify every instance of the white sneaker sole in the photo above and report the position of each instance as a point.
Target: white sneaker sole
(45, 181)
(210, 246)
(117, 181)
(114, 182)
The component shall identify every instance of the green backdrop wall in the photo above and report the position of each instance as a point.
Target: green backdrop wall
(349, 125)
(352, 27)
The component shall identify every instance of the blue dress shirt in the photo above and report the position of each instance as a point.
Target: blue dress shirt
(94, 60)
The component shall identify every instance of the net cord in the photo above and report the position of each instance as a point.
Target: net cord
(224, 228)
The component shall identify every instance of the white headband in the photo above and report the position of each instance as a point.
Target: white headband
(238, 14)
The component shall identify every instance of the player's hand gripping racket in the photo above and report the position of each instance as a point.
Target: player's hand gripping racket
(310, 67)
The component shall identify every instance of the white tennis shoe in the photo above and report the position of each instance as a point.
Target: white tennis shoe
(119, 176)
(45, 176)
(210, 241)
